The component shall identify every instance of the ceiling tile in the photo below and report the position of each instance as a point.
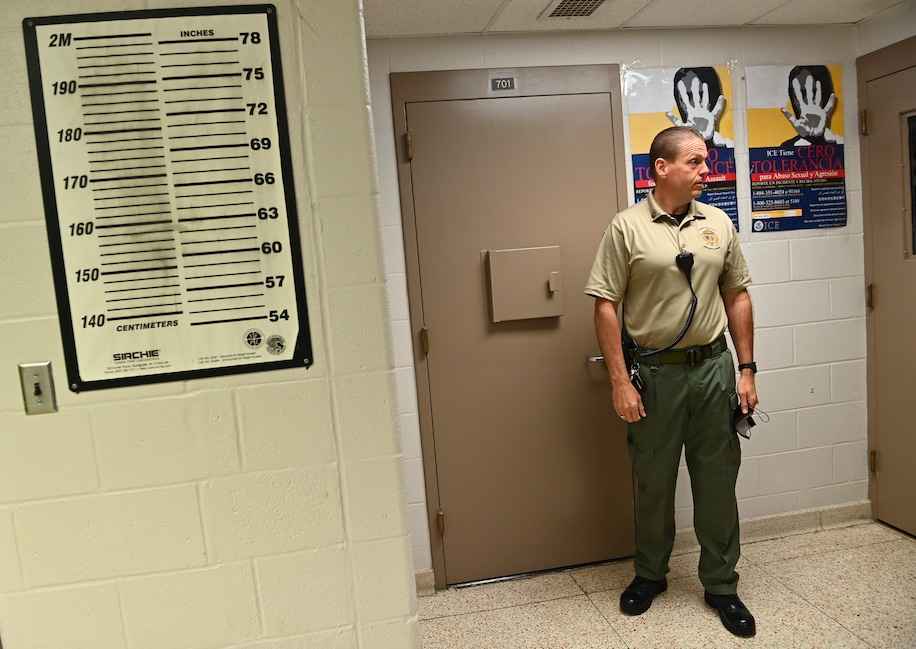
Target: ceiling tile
(392, 18)
(678, 13)
(415, 17)
(522, 16)
(811, 12)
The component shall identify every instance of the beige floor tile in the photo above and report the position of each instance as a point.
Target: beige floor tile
(870, 590)
(571, 623)
(680, 619)
(605, 576)
(616, 575)
(458, 601)
(803, 545)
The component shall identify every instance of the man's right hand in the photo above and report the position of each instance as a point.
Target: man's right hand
(627, 402)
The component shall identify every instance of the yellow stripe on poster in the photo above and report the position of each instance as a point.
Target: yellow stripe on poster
(768, 127)
(776, 214)
(837, 124)
(644, 127)
(727, 122)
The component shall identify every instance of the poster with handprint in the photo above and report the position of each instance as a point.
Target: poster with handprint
(795, 140)
(699, 97)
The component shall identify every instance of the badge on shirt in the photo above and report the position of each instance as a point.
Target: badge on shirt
(711, 238)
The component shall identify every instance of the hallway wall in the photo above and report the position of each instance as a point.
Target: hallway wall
(894, 24)
(809, 285)
(256, 511)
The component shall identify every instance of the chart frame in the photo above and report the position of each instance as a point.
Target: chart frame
(303, 355)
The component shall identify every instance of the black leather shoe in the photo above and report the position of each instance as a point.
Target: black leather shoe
(733, 613)
(638, 596)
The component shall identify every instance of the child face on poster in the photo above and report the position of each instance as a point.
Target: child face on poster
(700, 102)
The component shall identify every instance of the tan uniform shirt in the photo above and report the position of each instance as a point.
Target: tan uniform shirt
(635, 265)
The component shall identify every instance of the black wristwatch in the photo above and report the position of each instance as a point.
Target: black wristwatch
(752, 366)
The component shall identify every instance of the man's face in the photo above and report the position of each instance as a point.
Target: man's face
(684, 177)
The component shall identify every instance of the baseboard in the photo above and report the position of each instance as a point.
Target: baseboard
(779, 525)
(426, 583)
(753, 529)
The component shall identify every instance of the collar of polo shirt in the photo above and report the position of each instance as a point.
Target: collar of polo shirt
(656, 212)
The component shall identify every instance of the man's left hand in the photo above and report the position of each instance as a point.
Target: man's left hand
(747, 391)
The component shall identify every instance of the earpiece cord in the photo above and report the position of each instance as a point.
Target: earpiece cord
(684, 262)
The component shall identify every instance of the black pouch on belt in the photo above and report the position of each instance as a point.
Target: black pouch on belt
(631, 358)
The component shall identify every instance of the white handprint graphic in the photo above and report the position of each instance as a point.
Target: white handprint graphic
(699, 115)
(813, 117)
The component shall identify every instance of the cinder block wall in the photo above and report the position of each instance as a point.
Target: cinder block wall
(809, 284)
(260, 511)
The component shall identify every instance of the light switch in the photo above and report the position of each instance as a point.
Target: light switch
(37, 388)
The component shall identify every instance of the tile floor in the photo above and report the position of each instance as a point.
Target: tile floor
(842, 588)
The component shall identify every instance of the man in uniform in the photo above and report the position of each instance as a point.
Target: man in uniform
(688, 397)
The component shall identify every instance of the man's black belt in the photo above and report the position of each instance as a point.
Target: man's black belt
(688, 355)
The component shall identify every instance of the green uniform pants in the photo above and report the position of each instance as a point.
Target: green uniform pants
(688, 406)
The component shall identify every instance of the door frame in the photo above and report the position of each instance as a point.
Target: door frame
(872, 66)
(410, 87)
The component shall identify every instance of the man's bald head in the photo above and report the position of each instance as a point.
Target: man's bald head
(667, 143)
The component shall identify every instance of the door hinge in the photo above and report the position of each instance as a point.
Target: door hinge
(408, 146)
(870, 297)
(424, 341)
(863, 121)
(440, 522)
(873, 462)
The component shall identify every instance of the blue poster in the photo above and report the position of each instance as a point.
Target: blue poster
(798, 188)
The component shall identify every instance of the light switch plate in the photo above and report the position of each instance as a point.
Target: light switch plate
(38, 393)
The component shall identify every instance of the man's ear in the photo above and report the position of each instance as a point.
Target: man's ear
(661, 168)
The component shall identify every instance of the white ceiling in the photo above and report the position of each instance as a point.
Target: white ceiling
(397, 18)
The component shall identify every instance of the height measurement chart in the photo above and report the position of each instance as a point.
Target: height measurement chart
(168, 191)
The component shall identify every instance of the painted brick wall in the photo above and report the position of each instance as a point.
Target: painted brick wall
(809, 286)
(260, 511)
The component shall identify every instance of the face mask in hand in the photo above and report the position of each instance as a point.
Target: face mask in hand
(744, 422)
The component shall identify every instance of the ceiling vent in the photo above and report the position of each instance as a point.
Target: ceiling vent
(570, 9)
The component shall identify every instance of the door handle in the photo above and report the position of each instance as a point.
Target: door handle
(595, 360)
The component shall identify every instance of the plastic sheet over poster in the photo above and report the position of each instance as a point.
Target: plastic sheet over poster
(795, 139)
(168, 192)
(700, 97)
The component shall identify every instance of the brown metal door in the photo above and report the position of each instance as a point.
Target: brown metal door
(891, 155)
(532, 470)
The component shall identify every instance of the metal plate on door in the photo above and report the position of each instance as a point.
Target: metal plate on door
(525, 283)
